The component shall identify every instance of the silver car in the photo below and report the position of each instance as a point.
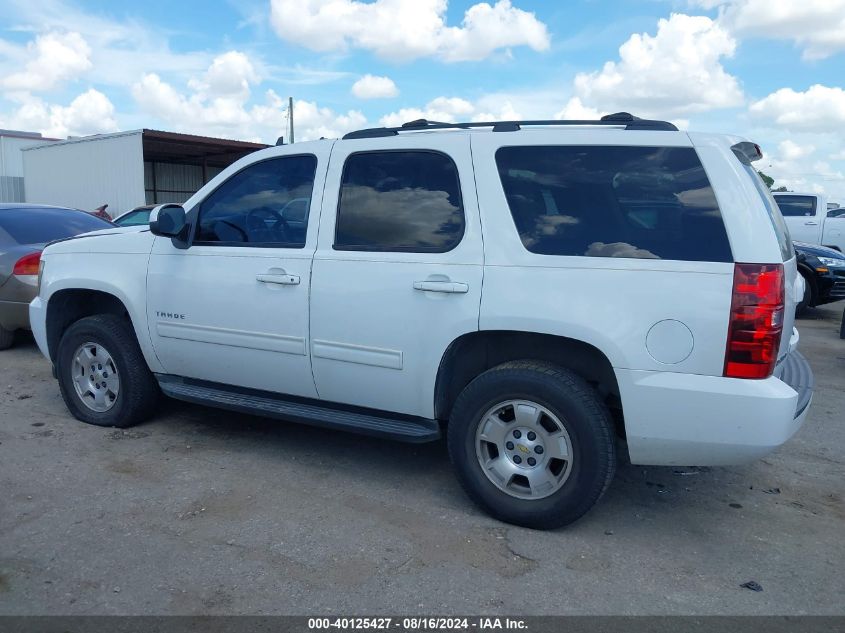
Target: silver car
(24, 231)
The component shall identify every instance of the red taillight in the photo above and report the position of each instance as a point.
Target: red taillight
(756, 321)
(28, 264)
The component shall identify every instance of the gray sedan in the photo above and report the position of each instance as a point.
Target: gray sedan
(24, 231)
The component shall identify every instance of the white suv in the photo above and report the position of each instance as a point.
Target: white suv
(534, 291)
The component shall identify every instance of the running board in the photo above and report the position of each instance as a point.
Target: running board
(352, 419)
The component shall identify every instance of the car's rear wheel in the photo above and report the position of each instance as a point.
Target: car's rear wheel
(807, 300)
(102, 373)
(7, 337)
(532, 444)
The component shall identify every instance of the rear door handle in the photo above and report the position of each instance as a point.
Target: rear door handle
(282, 279)
(811, 223)
(454, 287)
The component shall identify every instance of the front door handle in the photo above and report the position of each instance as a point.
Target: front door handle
(454, 287)
(811, 223)
(282, 279)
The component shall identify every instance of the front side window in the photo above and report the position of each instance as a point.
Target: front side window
(399, 201)
(613, 201)
(265, 204)
(802, 206)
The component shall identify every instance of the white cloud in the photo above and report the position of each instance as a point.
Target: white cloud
(219, 104)
(575, 110)
(790, 150)
(818, 26)
(451, 110)
(402, 30)
(819, 108)
(89, 113)
(677, 71)
(229, 75)
(120, 50)
(372, 87)
(51, 59)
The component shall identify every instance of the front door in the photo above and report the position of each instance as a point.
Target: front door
(233, 307)
(398, 269)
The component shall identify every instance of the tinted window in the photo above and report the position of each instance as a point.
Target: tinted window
(399, 201)
(775, 215)
(640, 202)
(41, 225)
(796, 205)
(265, 204)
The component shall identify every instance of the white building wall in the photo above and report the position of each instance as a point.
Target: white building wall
(88, 172)
(11, 165)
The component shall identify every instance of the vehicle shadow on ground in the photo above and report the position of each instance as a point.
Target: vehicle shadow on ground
(660, 492)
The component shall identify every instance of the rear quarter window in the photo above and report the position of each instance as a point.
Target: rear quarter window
(775, 213)
(613, 201)
(42, 225)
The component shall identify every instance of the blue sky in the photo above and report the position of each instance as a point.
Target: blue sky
(770, 70)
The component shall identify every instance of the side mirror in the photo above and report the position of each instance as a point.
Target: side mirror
(168, 220)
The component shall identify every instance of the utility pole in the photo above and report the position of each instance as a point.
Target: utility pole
(290, 116)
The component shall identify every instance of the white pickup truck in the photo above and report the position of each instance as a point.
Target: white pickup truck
(534, 291)
(809, 219)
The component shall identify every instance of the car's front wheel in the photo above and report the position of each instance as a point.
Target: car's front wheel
(532, 443)
(102, 373)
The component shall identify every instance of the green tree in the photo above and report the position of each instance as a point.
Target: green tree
(767, 179)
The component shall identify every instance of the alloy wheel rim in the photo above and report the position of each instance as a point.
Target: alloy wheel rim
(524, 449)
(95, 377)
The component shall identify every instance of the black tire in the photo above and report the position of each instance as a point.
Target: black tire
(842, 326)
(807, 299)
(138, 394)
(7, 337)
(580, 410)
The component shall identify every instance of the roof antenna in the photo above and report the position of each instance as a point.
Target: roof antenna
(280, 141)
(290, 116)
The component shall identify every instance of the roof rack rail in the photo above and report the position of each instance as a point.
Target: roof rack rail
(618, 119)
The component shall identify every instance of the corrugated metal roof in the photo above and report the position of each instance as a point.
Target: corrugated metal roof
(82, 139)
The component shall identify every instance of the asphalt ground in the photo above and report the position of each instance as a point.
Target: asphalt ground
(207, 512)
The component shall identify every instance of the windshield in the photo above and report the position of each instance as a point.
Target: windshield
(134, 218)
(41, 225)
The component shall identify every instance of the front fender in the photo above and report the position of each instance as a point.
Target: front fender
(123, 276)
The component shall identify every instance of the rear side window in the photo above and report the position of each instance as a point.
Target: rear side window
(609, 201)
(796, 205)
(407, 201)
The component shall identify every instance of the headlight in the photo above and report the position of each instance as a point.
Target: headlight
(832, 261)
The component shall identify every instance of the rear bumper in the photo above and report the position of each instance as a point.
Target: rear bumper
(14, 315)
(690, 420)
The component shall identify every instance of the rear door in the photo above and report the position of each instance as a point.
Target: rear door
(802, 216)
(398, 269)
